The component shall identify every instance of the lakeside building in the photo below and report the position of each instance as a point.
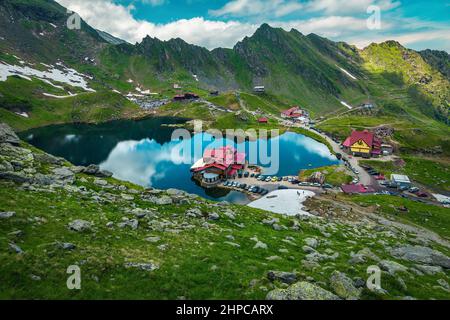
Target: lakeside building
(363, 143)
(186, 96)
(218, 164)
(263, 120)
(259, 89)
(401, 181)
(296, 114)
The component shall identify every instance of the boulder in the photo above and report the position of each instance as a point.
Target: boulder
(343, 286)
(144, 266)
(424, 255)
(301, 291)
(17, 177)
(7, 215)
(63, 175)
(7, 135)
(133, 224)
(260, 245)
(46, 158)
(80, 225)
(94, 170)
(285, 277)
(312, 242)
(392, 267)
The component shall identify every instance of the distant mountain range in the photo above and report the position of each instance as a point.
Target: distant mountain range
(309, 70)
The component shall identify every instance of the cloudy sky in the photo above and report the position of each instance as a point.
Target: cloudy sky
(417, 24)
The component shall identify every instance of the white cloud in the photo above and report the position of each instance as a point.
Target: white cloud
(118, 20)
(349, 6)
(261, 8)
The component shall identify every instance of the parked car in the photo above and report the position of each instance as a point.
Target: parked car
(246, 175)
(282, 188)
(422, 195)
(414, 190)
(295, 181)
(327, 186)
(304, 184)
(243, 186)
(280, 179)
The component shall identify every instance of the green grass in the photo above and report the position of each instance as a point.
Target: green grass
(432, 217)
(85, 107)
(429, 172)
(335, 175)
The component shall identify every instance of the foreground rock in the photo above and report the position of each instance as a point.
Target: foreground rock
(343, 286)
(423, 255)
(80, 225)
(7, 135)
(301, 291)
(285, 277)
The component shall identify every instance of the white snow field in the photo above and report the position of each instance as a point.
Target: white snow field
(288, 202)
(59, 73)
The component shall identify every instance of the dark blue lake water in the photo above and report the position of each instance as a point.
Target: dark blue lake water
(144, 152)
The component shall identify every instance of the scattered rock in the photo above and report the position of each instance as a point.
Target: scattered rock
(143, 266)
(260, 245)
(343, 286)
(421, 254)
(7, 215)
(153, 239)
(133, 224)
(301, 291)
(312, 242)
(101, 182)
(80, 225)
(236, 245)
(285, 277)
(392, 267)
(7, 135)
(15, 248)
(213, 216)
(430, 270)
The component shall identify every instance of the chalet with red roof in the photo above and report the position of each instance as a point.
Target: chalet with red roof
(363, 143)
(292, 113)
(218, 164)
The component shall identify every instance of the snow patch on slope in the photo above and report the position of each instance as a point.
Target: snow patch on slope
(348, 73)
(59, 73)
(347, 105)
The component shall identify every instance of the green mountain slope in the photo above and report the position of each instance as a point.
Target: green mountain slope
(311, 71)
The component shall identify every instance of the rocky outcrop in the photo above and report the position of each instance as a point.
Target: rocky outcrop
(7, 135)
(421, 254)
(343, 286)
(301, 291)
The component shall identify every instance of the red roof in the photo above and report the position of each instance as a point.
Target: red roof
(263, 120)
(293, 112)
(366, 136)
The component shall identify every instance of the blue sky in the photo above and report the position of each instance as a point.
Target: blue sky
(417, 24)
